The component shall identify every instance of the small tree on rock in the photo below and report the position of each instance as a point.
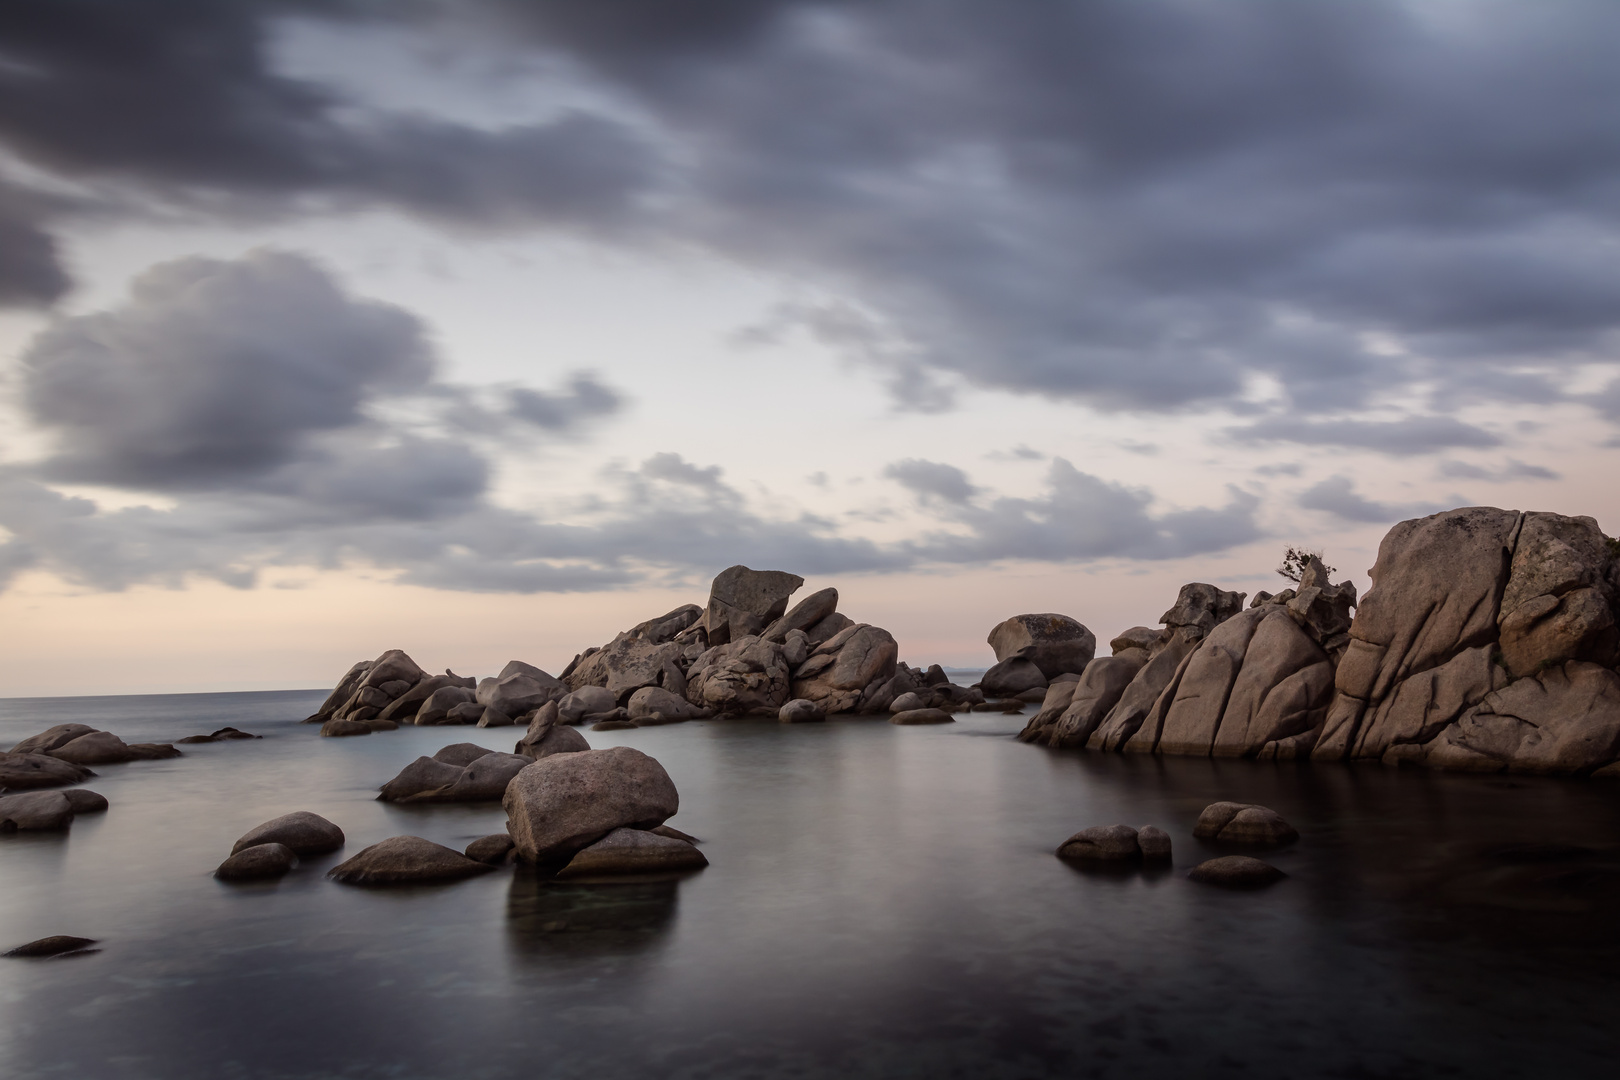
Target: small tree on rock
(1294, 561)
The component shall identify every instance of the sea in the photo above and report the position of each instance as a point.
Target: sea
(881, 901)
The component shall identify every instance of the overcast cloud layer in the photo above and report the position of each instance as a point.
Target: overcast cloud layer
(1335, 223)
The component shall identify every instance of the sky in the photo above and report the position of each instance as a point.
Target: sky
(487, 329)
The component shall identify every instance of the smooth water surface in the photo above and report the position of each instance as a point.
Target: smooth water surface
(882, 901)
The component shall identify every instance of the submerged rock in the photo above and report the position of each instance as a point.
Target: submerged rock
(800, 711)
(1243, 823)
(634, 851)
(257, 863)
(21, 772)
(85, 802)
(1102, 843)
(35, 811)
(305, 833)
(566, 802)
(406, 860)
(55, 945)
(1236, 872)
(1154, 842)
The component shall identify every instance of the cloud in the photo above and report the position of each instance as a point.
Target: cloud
(931, 480)
(1068, 200)
(586, 399)
(31, 270)
(1405, 437)
(1513, 470)
(1337, 496)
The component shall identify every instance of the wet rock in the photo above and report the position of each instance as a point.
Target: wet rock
(305, 833)
(1011, 677)
(52, 738)
(1102, 843)
(907, 702)
(494, 849)
(55, 945)
(85, 802)
(1053, 643)
(96, 748)
(21, 772)
(406, 860)
(1154, 842)
(633, 851)
(337, 729)
(922, 716)
(800, 711)
(574, 707)
(257, 863)
(1236, 872)
(566, 802)
(742, 602)
(35, 811)
(1243, 823)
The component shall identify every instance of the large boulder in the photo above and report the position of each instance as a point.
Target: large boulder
(20, 772)
(586, 701)
(393, 666)
(654, 702)
(1096, 693)
(566, 802)
(41, 811)
(1564, 720)
(305, 833)
(742, 602)
(518, 689)
(625, 665)
(749, 675)
(841, 669)
(52, 738)
(406, 860)
(666, 627)
(96, 748)
(436, 709)
(1011, 677)
(805, 615)
(1053, 643)
(633, 851)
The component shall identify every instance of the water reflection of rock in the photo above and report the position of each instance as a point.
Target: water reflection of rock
(550, 917)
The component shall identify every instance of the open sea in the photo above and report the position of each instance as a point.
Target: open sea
(881, 902)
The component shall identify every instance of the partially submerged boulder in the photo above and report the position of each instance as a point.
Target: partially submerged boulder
(493, 849)
(52, 738)
(406, 860)
(633, 851)
(1011, 677)
(85, 802)
(303, 832)
(35, 811)
(586, 701)
(55, 945)
(1236, 872)
(1102, 843)
(105, 748)
(800, 711)
(1243, 823)
(922, 716)
(655, 701)
(21, 772)
(257, 863)
(566, 802)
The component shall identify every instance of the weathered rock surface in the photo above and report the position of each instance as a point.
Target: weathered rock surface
(1200, 608)
(1088, 701)
(1102, 843)
(566, 802)
(94, 748)
(743, 602)
(800, 711)
(633, 851)
(655, 701)
(1010, 677)
(804, 615)
(337, 729)
(625, 665)
(493, 849)
(35, 811)
(1243, 823)
(1126, 718)
(436, 709)
(21, 772)
(586, 701)
(908, 701)
(1053, 643)
(749, 675)
(547, 735)
(842, 668)
(1236, 872)
(483, 779)
(305, 833)
(518, 689)
(257, 863)
(406, 860)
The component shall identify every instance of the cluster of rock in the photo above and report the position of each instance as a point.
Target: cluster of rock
(82, 745)
(56, 758)
(1223, 823)
(1488, 642)
(47, 811)
(273, 848)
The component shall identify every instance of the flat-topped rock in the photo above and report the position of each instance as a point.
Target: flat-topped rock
(1236, 872)
(634, 851)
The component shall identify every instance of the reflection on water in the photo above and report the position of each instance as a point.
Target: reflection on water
(547, 916)
(880, 902)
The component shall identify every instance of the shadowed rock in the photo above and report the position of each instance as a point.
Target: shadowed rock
(1053, 643)
(52, 738)
(1236, 872)
(922, 716)
(800, 711)
(406, 860)
(1243, 823)
(492, 849)
(35, 811)
(85, 802)
(257, 863)
(305, 833)
(634, 851)
(1154, 842)
(21, 772)
(1102, 843)
(55, 945)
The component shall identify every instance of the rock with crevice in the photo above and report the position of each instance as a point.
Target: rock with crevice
(842, 669)
(747, 676)
(1243, 823)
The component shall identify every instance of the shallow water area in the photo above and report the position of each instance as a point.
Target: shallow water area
(881, 901)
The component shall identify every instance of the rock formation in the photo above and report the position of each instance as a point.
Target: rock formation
(386, 692)
(77, 745)
(1055, 644)
(566, 802)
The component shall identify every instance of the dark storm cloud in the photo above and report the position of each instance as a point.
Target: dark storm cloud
(1337, 496)
(30, 272)
(1409, 436)
(1138, 205)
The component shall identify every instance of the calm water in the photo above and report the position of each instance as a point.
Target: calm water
(882, 902)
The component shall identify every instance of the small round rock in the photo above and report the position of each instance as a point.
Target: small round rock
(257, 863)
(492, 849)
(1236, 872)
(1154, 842)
